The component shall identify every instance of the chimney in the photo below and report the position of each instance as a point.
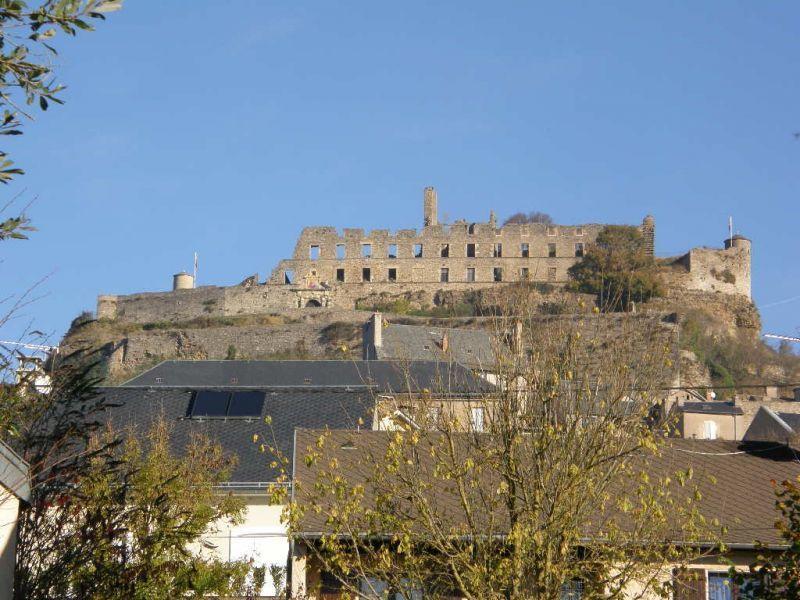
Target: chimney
(377, 330)
(430, 207)
(771, 392)
(445, 342)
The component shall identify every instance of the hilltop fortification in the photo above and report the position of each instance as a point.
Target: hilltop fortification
(333, 270)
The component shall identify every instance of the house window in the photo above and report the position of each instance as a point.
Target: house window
(551, 274)
(366, 250)
(552, 231)
(476, 419)
(551, 250)
(340, 252)
(579, 249)
(444, 251)
(470, 250)
(497, 273)
(366, 274)
(710, 430)
(340, 275)
(417, 250)
(525, 250)
(579, 231)
(523, 274)
(498, 250)
(471, 274)
(313, 252)
(392, 274)
(392, 251)
(288, 276)
(444, 275)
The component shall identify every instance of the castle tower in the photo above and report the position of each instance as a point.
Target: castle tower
(742, 272)
(649, 234)
(430, 207)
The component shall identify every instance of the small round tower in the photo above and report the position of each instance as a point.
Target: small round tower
(182, 281)
(738, 241)
(649, 234)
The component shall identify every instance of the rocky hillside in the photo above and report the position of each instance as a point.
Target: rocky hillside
(718, 333)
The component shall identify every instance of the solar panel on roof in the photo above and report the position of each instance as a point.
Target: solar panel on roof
(209, 403)
(246, 404)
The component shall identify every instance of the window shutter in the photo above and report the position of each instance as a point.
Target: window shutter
(690, 584)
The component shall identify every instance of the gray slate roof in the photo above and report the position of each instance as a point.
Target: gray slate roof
(289, 408)
(397, 376)
(471, 347)
(712, 408)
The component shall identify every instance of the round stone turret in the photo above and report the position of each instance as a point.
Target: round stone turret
(737, 241)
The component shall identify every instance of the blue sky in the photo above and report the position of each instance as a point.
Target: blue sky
(224, 128)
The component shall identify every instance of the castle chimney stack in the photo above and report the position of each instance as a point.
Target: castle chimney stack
(431, 208)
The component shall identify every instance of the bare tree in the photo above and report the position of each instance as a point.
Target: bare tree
(537, 487)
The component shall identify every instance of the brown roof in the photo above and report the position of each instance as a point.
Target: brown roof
(734, 478)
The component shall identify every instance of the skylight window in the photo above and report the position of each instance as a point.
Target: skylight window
(215, 403)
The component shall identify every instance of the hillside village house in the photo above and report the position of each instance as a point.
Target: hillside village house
(14, 490)
(228, 401)
(739, 495)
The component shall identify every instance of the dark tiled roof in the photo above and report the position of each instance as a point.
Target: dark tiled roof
(472, 347)
(791, 419)
(712, 408)
(397, 376)
(769, 426)
(334, 409)
(734, 478)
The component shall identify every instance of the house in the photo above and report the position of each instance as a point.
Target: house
(732, 478)
(229, 401)
(711, 420)
(15, 490)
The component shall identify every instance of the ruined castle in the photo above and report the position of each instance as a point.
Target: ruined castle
(329, 269)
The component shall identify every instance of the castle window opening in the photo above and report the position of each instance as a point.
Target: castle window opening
(498, 250)
(579, 249)
(498, 274)
(392, 251)
(417, 250)
(551, 250)
(366, 250)
(551, 274)
(444, 251)
(470, 250)
(313, 303)
(444, 275)
(340, 275)
(288, 277)
(313, 252)
(552, 231)
(525, 249)
(471, 274)
(579, 231)
(524, 274)
(392, 274)
(340, 251)
(366, 274)
(471, 229)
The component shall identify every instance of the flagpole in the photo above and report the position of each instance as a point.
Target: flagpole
(195, 270)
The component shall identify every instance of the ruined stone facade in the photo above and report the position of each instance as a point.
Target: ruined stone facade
(329, 269)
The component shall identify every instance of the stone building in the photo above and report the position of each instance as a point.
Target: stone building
(440, 253)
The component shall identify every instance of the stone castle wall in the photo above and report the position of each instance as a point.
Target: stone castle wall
(725, 271)
(436, 254)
